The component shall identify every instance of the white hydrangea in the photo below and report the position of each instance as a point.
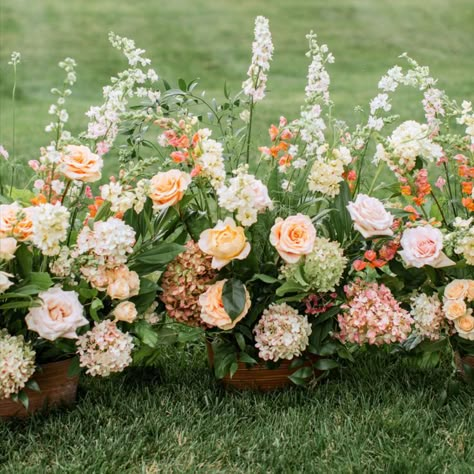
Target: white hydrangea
(17, 364)
(120, 200)
(461, 240)
(427, 315)
(50, 227)
(281, 333)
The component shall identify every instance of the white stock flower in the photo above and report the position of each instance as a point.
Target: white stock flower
(50, 227)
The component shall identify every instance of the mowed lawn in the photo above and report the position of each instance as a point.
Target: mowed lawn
(377, 417)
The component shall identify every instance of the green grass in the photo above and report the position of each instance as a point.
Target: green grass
(377, 417)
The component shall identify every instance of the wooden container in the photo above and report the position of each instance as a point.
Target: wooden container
(259, 377)
(57, 389)
(463, 360)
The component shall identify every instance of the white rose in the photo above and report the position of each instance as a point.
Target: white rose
(8, 248)
(60, 315)
(370, 217)
(5, 283)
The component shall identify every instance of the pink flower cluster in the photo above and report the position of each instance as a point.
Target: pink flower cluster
(372, 315)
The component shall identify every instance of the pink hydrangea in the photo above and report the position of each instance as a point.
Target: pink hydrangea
(372, 315)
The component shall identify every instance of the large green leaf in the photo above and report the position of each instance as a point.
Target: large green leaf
(156, 258)
(233, 297)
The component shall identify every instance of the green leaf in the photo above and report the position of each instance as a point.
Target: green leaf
(290, 287)
(240, 341)
(145, 333)
(182, 84)
(325, 364)
(265, 278)
(95, 306)
(24, 260)
(301, 376)
(33, 385)
(23, 397)
(247, 359)
(74, 368)
(159, 256)
(234, 297)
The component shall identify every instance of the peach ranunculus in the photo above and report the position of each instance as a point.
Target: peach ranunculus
(9, 214)
(465, 326)
(122, 283)
(370, 217)
(8, 246)
(212, 308)
(456, 289)
(168, 188)
(225, 242)
(125, 311)
(293, 237)
(423, 246)
(59, 315)
(80, 164)
(454, 309)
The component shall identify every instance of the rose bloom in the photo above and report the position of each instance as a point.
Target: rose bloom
(125, 311)
(212, 308)
(122, 283)
(465, 327)
(8, 246)
(59, 315)
(168, 188)
(80, 164)
(5, 282)
(422, 246)
(370, 217)
(293, 237)
(225, 242)
(457, 289)
(454, 309)
(470, 290)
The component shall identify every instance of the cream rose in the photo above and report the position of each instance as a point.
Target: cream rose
(465, 327)
(8, 218)
(59, 315)
(370, 217)
(454, 309)
(456, 289)
(168, 188)
(225, 242)
(80, 164)
(212, 308)
(293, 237)
(470, 290)
(125, 311)
(5, 282)
(423, 246)
(122, 283)
(8, 246)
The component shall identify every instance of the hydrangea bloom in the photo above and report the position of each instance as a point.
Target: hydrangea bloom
(17, 364)
(372, 315)
(281, 333)
(105, 349)
(427, 316)
(50, 226)
(461, 240)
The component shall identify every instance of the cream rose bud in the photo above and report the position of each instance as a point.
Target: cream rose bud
(212, 307)
(168, 188)
(423, 246)
(465, 327)
(80, 164)
(5, 282)
(225, 242)
(293, 237)
(454, 309)
(457, 289)
(370, 217)
(125, 311)
(59, 315)
(8, 246)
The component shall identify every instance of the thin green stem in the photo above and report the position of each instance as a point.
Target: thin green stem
(13, 129)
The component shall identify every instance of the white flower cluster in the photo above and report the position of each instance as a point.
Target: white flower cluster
(281, 333)
(109, 242)
(105, 119)
(211, 162)
(467, 118)
(122, 200)
(17, 364)
(246, 195)
(50, 227)
(427, 315)
(327, 170)
(461, 240)
(262, 49)
(15, 58)
(105, 349)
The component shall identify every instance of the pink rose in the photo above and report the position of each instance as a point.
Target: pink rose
(293, 237)
(422, 246)
(370, 217)
(59, 315)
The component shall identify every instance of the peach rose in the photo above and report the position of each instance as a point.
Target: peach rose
(59, 315)
(125, 311)
(457, 289)
(9, 214)
(80, 164)
(422, 246)
(168, 188)
(122, 283)
(293, 237)
(470, 290)
(212, 308)
(370, 217)
(454, 309)
(5, 282)
(465, 327)
(225, 242)
(8, 246)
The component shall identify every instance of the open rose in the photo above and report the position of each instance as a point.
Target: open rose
(59, 315)
(423, 246)
(225, 242)
(125, 311)
(80, 164)
(122, 283)
(465, 326)
(8, 248)
(370, 217)
(454, 309)
(293, 237)
(456, 289)
(212, 308)
(168, 188)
